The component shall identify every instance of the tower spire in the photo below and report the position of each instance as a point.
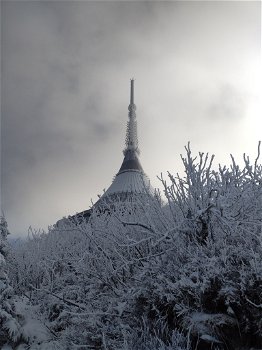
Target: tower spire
(131, 130)
(132, 81)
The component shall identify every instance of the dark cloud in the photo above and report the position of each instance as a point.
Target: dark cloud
(65, 86)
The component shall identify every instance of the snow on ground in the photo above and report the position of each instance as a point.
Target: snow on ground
(36, 332)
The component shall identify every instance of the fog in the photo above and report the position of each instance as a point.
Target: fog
(66, 68)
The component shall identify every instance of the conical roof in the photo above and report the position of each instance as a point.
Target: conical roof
(130, 178)
(130, 162)
(130, 182)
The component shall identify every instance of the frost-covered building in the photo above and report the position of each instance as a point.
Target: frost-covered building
(131, 179)
(130, 182)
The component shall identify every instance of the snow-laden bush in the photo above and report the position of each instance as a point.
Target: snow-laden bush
(10, 328)
(184, 275)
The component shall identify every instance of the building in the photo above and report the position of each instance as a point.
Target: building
(130, 182)
(131, 179)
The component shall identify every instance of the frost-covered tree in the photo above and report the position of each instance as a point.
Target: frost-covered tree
(185, 275)
(10, 329)
(210, 282)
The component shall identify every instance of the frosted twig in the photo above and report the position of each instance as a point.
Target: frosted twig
(69, 302)
(253, 304)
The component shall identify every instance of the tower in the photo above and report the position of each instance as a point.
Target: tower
(130, 179)
(130, 183)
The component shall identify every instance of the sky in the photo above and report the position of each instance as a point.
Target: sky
(66, 69)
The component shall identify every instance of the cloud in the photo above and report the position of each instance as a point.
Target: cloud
(65, 90)
(228, 105)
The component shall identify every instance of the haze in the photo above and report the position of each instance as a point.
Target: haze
(65, 90)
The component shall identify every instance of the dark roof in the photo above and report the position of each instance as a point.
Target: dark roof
(130, 162)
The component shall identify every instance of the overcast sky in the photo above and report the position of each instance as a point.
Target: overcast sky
(66, 68)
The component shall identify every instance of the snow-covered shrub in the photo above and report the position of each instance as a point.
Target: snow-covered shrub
(10, 329)
(213, 277)
(185, 275)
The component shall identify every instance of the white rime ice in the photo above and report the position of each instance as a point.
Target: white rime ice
(183, 273)
(10, 329)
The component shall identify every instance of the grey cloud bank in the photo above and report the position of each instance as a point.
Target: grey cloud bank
(65, 90)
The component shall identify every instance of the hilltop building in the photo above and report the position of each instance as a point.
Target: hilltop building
(131, 179)
(130, 182)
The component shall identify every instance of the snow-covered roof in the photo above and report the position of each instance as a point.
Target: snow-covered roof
(131, 181)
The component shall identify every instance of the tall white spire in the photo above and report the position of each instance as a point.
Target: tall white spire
(130, 179)
(131, 131)
(130, 182)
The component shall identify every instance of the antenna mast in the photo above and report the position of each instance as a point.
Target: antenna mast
(131, 130)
